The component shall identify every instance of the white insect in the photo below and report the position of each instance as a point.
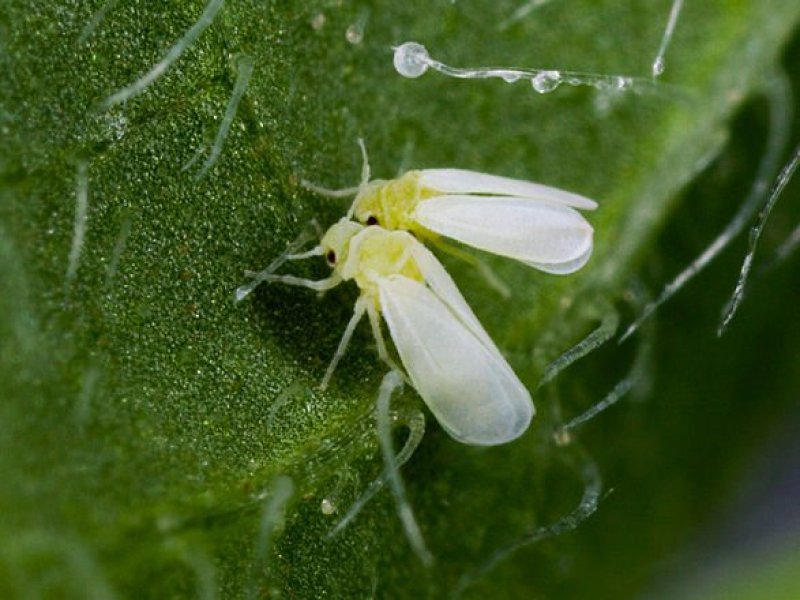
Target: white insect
(448, 356)
(533, 223)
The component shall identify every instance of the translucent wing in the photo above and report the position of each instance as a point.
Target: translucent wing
(468, 386)
(564, 268)
(445, 288)
(553, 237)
(460, 181)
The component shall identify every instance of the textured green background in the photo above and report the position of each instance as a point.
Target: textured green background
(137, 450)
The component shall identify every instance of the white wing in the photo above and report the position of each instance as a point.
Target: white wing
(439, 280)
(460, 181)
(468, 386)
(553, 237)
(564, 268)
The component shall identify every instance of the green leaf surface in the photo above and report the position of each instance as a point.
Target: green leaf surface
(150, 425)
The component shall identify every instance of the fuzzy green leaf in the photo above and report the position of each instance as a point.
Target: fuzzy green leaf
(151, 427)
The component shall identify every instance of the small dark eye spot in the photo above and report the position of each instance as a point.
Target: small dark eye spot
(372, 220)
(331, 257)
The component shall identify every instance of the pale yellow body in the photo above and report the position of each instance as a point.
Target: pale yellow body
(392, 202)
(368, 254)
(446, 354)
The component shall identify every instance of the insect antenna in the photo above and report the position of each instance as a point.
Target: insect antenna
(267, 274)
(315, 251)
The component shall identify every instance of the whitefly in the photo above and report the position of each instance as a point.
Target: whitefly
(445, 352)
(538, 225)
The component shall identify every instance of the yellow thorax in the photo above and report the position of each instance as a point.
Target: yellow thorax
(369, 254)
(391, 203)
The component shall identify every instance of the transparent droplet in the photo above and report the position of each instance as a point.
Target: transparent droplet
(117, 126)
(327, 507)
(658, 66)
(623, 83)
(509, 77)
(411, 59)
(318, 22)
(546, 81)
(354, 34)
(562, 437)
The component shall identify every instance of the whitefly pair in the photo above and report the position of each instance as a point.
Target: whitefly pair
(446, 354)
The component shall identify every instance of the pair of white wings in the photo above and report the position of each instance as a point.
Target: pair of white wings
(532, 223)
(452, 362)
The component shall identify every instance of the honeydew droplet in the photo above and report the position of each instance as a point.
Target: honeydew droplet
(623, 83)
(509, 77)
(411, 59)
(318, 22)
(562, 437)
(658, 66)
(546, 81)
(354, 34)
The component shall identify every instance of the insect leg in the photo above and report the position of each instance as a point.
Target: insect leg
(380, 342)
(288, 254)
(365, 175)
(315, 251)
(358, 312)
(319, 286)
(346, 192)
